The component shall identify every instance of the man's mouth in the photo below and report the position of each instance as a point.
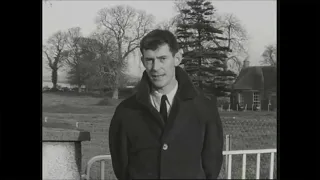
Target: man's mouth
(157, 76)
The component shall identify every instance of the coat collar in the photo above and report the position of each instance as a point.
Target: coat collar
(186, 89)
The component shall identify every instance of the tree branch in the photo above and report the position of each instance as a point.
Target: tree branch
(49, 60)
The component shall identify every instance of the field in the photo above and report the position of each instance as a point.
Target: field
(248, 130)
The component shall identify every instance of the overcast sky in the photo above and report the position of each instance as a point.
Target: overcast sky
(257, 16)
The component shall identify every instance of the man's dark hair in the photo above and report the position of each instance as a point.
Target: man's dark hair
(159, 37)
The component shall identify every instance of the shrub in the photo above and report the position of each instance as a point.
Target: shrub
(223, 101)
(66, 89)
(45, 89)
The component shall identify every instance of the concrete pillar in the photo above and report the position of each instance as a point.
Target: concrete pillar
(61, 151)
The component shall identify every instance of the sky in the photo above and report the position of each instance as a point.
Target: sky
(258, 17)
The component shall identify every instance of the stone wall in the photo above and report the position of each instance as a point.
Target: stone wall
(61, 151)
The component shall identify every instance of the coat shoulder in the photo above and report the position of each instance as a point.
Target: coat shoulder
(207, 108)
(124, 109)
(205, 103)
(207, 100)
(127, 104)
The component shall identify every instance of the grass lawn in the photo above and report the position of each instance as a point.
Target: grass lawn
(248, 130)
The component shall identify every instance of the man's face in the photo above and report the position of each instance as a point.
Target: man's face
(160, 65)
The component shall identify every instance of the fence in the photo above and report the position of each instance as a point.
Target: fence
(247, 130)
(101, 159)
(244, 154)
(229, 154)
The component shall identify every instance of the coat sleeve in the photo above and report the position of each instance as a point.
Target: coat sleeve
(118, 146)
(213, 145)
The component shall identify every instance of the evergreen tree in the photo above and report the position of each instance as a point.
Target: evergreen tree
(80, 66)
(204, 56)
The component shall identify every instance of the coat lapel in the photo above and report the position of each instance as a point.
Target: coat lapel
(180, 107)
(181, 113)
(143, 98)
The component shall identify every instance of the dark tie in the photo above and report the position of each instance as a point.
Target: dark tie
(163, 108)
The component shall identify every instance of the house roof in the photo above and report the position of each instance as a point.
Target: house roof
(257, 78)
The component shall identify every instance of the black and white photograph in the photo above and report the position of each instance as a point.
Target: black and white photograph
(159, 89)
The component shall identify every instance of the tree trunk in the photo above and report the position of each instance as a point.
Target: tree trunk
(200, 59)
(101, 91)
(79, 88)
(54, 78)
(199, 74)
(225, 68)
(78, 77)
(115, 94)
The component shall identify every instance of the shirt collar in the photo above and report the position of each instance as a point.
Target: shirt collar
(170, 95)
(186, 90)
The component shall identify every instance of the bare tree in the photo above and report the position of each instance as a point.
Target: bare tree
(88, 64)
(47, 2)
(54, 54)
(73, 51)
(270, 55)
(127, 26)
(180, 5)
(106, 61)
(169, 25)
(237, 39)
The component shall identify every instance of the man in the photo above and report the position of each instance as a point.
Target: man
(168, 128)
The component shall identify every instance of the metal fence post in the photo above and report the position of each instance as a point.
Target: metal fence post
(228, 148)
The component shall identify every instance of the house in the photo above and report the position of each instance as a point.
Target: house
(255, 87)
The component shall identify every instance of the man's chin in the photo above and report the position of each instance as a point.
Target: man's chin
(158, 85)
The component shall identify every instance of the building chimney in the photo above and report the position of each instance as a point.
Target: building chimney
(246, 63)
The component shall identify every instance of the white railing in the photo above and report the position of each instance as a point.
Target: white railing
(244, 161)
(103, 158)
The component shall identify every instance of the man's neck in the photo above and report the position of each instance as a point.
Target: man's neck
(167, 89)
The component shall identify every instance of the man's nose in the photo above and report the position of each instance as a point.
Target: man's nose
(156, 64)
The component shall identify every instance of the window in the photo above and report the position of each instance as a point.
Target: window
(256, 99)
(241, 99)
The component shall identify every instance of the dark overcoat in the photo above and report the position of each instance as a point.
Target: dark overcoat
(188, 146)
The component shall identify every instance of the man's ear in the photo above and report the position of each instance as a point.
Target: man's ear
(178, 57)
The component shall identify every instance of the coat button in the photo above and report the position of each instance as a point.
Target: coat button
(165, 147)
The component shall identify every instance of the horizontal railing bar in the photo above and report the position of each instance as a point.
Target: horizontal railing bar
(261, 151)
